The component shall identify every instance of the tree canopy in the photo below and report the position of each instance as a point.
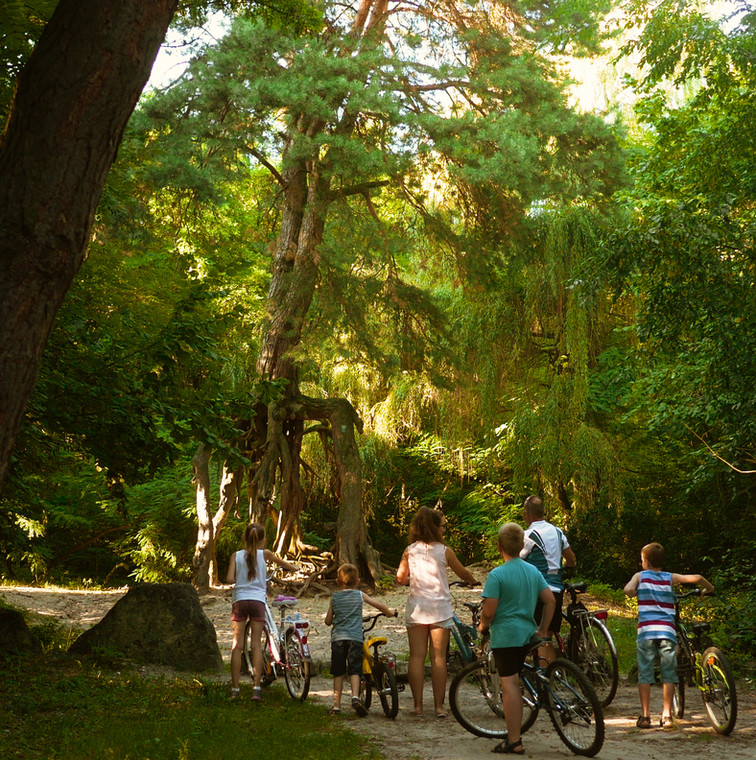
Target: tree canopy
(361, 258)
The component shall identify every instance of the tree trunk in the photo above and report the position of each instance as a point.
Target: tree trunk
(229, 498)
(201, 561)
(352, 541)
(67, 119)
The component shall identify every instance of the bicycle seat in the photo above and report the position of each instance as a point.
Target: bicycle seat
(285, 601)
(381, 640)
(700, 627)
(578, 588)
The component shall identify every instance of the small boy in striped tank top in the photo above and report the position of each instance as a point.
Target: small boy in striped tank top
(345, 615)
(657, 635)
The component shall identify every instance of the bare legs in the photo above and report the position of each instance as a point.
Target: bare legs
(338, 688)
(421, 637)
(668, 695)
(511, 701)
(238, 647)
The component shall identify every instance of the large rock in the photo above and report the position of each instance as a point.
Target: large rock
(157, 624)
(15, 635)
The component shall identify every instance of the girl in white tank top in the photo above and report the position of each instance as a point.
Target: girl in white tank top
(428, 615)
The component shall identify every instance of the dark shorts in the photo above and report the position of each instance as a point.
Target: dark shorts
(346, 657)
(247, 609)
(509, 660)
(556, 622)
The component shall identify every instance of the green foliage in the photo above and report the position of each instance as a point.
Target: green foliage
(161, 543)
(22, 22)
(733, 611)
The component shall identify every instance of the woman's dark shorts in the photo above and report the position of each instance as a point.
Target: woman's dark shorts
(509, 660)
(346, 657)
(247, 609)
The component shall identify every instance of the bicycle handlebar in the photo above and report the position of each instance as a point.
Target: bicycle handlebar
(693, 592)
(373, 619)
(463, 584)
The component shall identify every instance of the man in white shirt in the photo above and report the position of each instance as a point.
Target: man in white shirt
(547, 548)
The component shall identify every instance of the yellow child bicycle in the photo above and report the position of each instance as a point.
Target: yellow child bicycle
(378, 670)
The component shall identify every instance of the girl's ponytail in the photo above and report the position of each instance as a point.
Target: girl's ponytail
(254, 538)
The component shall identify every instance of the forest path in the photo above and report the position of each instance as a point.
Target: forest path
(409, 738)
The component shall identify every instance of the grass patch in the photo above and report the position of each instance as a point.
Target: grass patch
(623, 630)
(57, 708)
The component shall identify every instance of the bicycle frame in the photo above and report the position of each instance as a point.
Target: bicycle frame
(277, 635)
(466, 636)
(378, 670)
(577, 617)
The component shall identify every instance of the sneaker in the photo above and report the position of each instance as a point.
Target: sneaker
(256, 694)
(234, 694)
(358, 707)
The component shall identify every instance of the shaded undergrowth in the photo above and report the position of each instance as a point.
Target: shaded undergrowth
(55, 707)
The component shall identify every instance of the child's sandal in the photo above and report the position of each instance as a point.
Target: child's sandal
(335, 711)
(505, 748)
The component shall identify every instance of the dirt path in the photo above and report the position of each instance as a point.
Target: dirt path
(409, 738)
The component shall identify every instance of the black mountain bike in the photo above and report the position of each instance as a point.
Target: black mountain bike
(701, 664)
(590, 645)
(561, 689)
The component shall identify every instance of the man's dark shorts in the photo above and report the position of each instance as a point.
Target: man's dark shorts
(346, 657)
(556, 622)
(509, 660)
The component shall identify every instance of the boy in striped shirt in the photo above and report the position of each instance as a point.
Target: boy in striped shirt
(657, 635)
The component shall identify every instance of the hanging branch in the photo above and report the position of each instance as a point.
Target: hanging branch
(714, 453)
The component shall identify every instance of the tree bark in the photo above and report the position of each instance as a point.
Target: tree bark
(67, 119)
(352, 541)
(201, 561)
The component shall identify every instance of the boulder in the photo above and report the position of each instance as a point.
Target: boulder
(15, 635)
(156, 624)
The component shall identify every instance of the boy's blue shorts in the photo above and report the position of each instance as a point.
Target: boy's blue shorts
(651, 650)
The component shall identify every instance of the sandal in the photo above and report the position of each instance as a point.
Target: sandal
(666, 722)
(644, 721)
(335, 711)
(509, 749)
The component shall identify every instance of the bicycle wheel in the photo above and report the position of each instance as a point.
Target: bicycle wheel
(297, 670)
(366, 691)
(388, 691)
(267, 674)
(475, 701)
(718, 691)
(574, 708)
(678, 699)
(596, 656)
(685, 672)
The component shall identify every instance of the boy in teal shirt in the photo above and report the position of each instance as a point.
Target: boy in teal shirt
(509, 599)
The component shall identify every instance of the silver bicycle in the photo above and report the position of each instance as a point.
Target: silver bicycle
(284, 647)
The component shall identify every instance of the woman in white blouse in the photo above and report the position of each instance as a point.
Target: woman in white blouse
(429, 611)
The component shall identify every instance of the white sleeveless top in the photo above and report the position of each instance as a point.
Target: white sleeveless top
(429, 599)
(254, 589)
